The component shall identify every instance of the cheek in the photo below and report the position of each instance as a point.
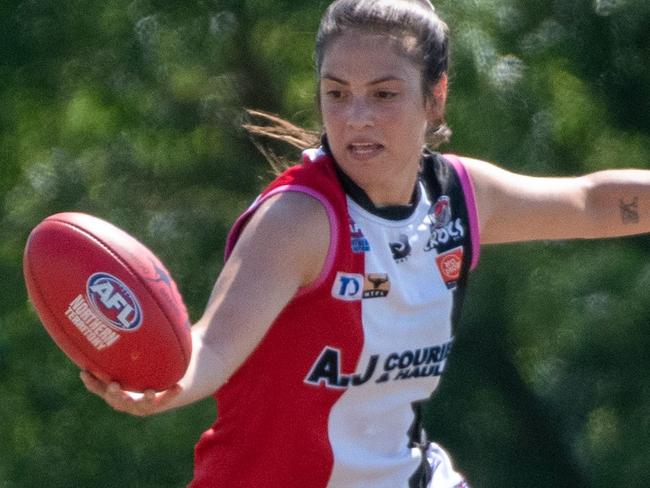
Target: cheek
(332, 117)
(408, 120)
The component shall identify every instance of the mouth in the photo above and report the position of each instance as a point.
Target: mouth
(364, 150)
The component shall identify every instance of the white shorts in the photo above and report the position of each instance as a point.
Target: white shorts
(443, 473)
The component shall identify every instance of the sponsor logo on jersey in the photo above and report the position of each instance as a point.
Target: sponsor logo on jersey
(454, 231)
(351, 287)
(348, 286)
(113, 301)
(440, 213)
(376, 285)
(401, 249)
(450, 264)
(444, 228)
(396, 366)
(358, 241)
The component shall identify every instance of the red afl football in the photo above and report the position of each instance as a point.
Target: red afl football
(107, 301)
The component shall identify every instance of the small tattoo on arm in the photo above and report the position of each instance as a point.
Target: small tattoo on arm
(629, 211)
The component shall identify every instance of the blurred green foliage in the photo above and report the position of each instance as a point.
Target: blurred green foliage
(130, 110)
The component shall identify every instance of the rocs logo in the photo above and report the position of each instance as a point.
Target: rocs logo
(114, 301)
(452, 232)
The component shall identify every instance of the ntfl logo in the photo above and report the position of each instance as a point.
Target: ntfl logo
(114, 301)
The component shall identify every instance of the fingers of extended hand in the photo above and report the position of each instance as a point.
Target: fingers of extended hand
(151, 402)
(164, 398)
(92, 384)
(139, 404)
(119, 399)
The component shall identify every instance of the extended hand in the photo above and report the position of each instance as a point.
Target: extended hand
(140, 404)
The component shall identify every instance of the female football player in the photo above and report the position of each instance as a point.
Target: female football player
(334, 313)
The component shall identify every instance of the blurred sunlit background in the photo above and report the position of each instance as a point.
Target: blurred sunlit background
(131, 110)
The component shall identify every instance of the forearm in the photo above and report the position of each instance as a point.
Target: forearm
(206, 372)
(617, 202)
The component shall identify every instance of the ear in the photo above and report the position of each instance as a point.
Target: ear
(440, 89)
(437, 101)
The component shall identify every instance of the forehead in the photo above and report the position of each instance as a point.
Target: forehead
(358, 55)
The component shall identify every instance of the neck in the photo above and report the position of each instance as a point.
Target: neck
(391, 194)
(384, 187)
(395, 204)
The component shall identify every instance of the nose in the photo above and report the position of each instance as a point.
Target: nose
(359, 114)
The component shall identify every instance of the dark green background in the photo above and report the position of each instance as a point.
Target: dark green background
(130, 110)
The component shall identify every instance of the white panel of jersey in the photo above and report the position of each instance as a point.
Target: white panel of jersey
(406, 321)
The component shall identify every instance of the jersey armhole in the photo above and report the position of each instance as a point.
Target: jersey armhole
(328, 264)
(470, 203)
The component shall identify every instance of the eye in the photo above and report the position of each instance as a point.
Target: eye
(386, 94)
(334, 94)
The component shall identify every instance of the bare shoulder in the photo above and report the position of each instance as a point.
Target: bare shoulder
(288, 228)
(292, 216)
(487, 179)
(294, 204)
(481, 170)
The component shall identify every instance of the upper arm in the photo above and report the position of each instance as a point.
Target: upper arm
(514, 207)
(281, 249)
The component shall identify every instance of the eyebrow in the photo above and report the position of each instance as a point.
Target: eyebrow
(383, 79)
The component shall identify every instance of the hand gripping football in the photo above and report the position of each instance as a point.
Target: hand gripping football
(107, 301)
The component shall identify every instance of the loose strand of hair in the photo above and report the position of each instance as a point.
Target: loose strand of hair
(275, 128)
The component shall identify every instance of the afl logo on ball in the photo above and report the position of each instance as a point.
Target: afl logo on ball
(114, 301)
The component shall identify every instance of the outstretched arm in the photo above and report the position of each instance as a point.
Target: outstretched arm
(263, 273)
(514, 208)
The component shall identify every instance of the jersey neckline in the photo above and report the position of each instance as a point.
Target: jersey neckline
(389, 212)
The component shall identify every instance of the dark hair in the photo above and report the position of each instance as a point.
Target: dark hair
(400, 19)
(419, 34)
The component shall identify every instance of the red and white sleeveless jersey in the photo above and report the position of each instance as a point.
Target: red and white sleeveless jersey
(332, 395)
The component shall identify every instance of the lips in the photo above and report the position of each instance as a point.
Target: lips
(364, 150)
